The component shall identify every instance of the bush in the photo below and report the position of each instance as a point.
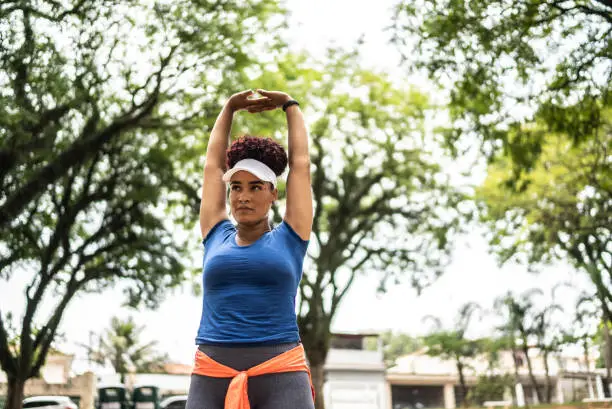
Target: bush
(489, 387)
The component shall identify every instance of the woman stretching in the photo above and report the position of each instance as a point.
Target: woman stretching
(251, 272)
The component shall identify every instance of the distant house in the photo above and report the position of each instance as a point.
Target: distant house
(421, 381)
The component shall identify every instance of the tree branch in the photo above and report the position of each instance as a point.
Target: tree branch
(49, 330)
(336, 298)
(317, 186)
(607, 3)
(45, 336)
(21, 68)
(81, 150)
(12, 157)
(7, 361)
(584, 9)
(587, 10)
(76, 10)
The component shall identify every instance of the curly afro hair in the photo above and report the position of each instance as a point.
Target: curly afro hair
(265, 150)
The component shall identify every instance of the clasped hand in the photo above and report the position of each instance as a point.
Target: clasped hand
(268, 100)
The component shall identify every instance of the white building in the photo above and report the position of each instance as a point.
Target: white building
(354, 376)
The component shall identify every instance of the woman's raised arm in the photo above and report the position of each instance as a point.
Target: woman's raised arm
(212, 206)
(299, 212)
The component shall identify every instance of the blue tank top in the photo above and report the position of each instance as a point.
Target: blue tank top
(249, 291)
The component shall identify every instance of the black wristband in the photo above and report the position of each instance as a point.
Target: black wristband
(289, 103)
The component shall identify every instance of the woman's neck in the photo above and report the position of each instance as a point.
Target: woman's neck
(247, 234)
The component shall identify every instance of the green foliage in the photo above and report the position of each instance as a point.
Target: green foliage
(490, 387)
(395, 345)
(120, 346)
(562, 209)
(518, 312)
(505, 62)
(453, 344)
(492, 348)
(528, 326)
(602, 343)
(103, 110)
(584, 332)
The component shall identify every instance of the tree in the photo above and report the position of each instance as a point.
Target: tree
(453, 344)
(492, 347)
(121, 347)
(382, 205)
(519, 314)
(547, 342)
(591, 328)
(39, 101)
(100, 112)
(560, 210)
(506, 62)
(582, 332)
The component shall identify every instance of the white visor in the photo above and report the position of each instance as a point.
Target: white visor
(255, 167)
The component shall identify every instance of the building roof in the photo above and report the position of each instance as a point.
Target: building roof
(355, 360)
(419, 363)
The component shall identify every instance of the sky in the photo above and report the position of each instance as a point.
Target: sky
(473, 274)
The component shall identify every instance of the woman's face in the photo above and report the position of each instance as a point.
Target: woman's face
(250, 197)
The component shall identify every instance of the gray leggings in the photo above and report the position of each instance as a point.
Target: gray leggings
(288, 390)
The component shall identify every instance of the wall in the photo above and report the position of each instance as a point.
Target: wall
(355, 390)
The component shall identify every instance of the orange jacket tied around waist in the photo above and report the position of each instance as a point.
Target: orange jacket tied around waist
(237, 396)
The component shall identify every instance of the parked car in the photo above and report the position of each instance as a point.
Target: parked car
(49, 402)
(174, 402)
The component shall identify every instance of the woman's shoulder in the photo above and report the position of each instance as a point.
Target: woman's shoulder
(220, 231)
(285, 230)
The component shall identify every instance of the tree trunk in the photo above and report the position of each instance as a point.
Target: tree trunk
(534, 383)
(316, 348)
(462, 383)
(606, 334)
(606, 318)
(517, 379)
(316, 338)
(318, 380)
(585, 346)
(14, 398)
(548, 381)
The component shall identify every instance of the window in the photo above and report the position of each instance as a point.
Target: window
(39, 404)
(347, 342)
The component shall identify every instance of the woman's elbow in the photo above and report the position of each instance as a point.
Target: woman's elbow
(299, 163)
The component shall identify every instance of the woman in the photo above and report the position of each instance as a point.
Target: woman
(250, 271)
